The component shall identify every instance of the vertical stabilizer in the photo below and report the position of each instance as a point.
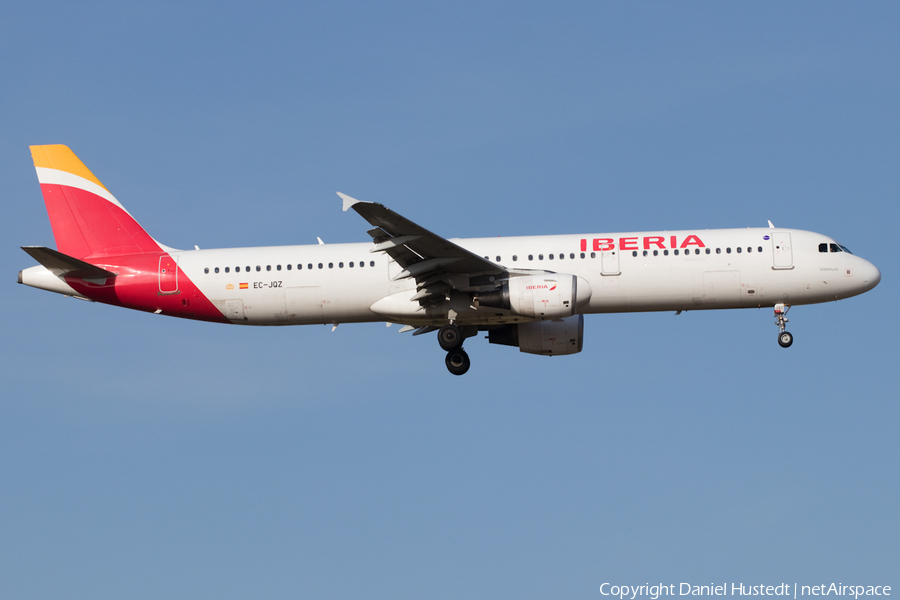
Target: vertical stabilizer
(87, 220)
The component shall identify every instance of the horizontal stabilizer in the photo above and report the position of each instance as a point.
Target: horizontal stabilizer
(63, 265)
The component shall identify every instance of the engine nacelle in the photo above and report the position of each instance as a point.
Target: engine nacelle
(551, 338)
(549, 296)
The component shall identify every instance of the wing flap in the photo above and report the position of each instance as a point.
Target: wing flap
(421, 253)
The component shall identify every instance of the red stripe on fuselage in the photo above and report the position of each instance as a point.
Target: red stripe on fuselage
(137, 287)
(91, 228)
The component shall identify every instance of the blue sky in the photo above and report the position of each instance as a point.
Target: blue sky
(146, 457)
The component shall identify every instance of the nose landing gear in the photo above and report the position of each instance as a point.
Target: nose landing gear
(785, 339)
(451, 338)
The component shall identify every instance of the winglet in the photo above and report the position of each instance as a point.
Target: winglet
(348, 201)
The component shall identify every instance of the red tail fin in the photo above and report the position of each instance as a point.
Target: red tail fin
(87, 220)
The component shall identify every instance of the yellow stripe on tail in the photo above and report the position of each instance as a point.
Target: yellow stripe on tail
(59, 157)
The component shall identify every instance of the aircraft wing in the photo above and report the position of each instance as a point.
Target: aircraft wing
(436, 263)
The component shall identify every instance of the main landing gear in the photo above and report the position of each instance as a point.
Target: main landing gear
(785, 339)
(451, 338)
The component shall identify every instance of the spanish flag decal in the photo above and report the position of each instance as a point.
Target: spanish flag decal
(244, 286)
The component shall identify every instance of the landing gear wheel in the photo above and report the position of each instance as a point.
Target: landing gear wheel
(785, 339)
(457, 361)
(450, 338)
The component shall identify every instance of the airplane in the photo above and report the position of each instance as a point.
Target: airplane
(526, 292)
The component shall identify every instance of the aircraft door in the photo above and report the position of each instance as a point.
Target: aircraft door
(609, 262)
(395, 286)
(168, 274)
(781, 251)
(234, 310)
(722, 288)
(304, 304)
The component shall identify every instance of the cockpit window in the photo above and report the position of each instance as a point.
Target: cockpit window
(839, 248)
(823, 247)
(845, 249)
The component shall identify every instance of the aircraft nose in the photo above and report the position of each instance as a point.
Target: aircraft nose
(871, 275)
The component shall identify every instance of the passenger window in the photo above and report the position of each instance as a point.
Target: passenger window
(572, 255)
(268, 268)
(727, 250)
(309, 266)
(759, 249)
(645, 253)
(582, 255)
(340, 265)
(277, 267)
(371, 263)
(206, 270)
(551, 257)
(289, 267)
(562, 255)
(823, 247)
(226, 269)
(498, 259)
(656, 253)
(749, 249)
(593, 255)
(718, 251)
(697, 250)
(321, 265)
(676, 252)
(217, 269)
(707, 250)
(738, 249)
(530, 257)
(258, 268)
(330, 265)
(515, 258)
(540, 257)
(665, 252)
(351, 264)
(634, 253)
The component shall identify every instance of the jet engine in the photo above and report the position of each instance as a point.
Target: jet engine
(551, 337)
(548, 296)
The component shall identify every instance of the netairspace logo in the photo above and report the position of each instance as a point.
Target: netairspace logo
(654, 592)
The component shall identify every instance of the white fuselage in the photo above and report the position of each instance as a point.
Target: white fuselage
(626, 272)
